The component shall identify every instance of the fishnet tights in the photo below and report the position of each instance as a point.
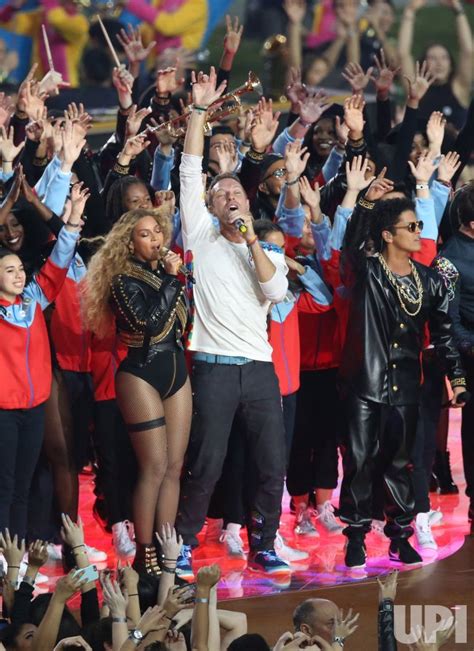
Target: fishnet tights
(159, 451)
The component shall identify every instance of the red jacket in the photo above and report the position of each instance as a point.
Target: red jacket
(106, 356)
(25, 354)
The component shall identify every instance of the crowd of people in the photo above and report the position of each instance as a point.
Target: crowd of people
(224, 299)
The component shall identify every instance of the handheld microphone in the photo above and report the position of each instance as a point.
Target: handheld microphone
(240, 225)
(182, 268)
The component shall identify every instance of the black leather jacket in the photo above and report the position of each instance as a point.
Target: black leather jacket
(150, 310)
(382, 351)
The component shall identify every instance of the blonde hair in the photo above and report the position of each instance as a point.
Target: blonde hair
(111, 259)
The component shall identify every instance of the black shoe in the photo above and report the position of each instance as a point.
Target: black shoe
(267, 561)
(400, 550)
(442, 473)
(355, 552)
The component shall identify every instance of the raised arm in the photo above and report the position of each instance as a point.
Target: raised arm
(295, 10)
(405, 37)
(462, 81)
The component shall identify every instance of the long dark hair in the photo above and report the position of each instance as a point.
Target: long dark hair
(114, 207)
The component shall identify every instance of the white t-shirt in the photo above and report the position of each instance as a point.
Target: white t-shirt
(230, 304)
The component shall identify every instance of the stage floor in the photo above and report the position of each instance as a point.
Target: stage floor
(324, 567)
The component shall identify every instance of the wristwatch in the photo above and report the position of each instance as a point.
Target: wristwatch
(340, 640)
(136, 636)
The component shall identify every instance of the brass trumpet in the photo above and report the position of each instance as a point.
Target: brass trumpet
(215, 114)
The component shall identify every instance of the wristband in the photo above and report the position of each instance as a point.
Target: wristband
(246, 143)
(81, 545)
(16, 567)
(29, 580)
(168, 570)
(448, 184)
(252, 241)
(368, 205)
(121, 169)
(200, 109)
(304, 124)
(201, 600)
(459, 11)
(256, 156)
(134, 594)
(119, 620)
(7, 161)
(292, 182)
(422, 186)
(458, 382)
(339, 640)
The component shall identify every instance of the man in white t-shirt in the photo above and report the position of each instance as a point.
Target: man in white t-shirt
(236, 280)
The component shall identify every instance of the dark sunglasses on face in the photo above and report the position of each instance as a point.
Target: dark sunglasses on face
(412, 227)
(278, 174)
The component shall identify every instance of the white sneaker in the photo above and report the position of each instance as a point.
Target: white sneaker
(377, 527)
(288, 554)
(303, 522)
(214, 529)
(233, 543)
(435, 517)
(423, 532)
(54, 552)
(121, 539)
(95, 555)
(327, 518)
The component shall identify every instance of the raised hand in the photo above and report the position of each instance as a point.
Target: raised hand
(152, 620)
(296, 91)
(134, 120)
(383, 80)
(122, 79)
(68, 585)
(170, 543)
(135, 145)
(354, 116)
(419, 84)
(448, 166)
(208, 576)
(264, 125)
(132, 44)
(357, 78)
(425, 167)
(434, 640)
(80, 118)
(167, 82)
(296, 158)
(37, 554)
(233, 35)
(345, 626)
(226, 155)
(342, 132)
(204, 88)
(435, 132)
(177, 599)
(295, 10)
(313, 106)
(128, 579)
(9, 151)
(13, 550)
(71, 532)
(388, 588)
(75, 641)
(311, 196)
(6, 108)
(79, 196)
(115, 599)
(166, 200)
(355, 174)
(379, 187)
(72, 144)
(31, 99)
(165, 136)
(175, 640)
(52, 82)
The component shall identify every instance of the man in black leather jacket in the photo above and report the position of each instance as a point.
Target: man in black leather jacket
(392, 299)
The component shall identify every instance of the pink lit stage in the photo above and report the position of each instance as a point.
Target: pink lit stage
(324, 567)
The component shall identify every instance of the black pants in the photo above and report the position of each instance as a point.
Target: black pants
(79, 387)
(313, 457)
(382, 436)
(116, 461)
(221, 391)
(467, 431)
(424, 448)
(21, 436)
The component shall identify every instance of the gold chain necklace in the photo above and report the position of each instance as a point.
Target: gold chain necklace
(403, 295)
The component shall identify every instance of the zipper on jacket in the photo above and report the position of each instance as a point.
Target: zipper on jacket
(28, 372)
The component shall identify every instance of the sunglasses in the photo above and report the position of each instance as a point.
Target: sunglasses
(412, 227)
(281, 171)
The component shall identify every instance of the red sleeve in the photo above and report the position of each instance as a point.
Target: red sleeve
(427, 253)
(51, 279)
(306, 304)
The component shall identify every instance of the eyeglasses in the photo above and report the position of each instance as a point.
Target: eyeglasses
(412, 227)
(281, 171)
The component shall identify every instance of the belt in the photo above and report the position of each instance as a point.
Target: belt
(221, 359)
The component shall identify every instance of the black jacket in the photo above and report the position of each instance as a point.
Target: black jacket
(150, 310)
(382, 351)
(455, 264)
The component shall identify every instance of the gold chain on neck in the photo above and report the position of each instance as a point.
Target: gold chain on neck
(403, 295)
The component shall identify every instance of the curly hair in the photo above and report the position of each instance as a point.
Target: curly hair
(111, 259)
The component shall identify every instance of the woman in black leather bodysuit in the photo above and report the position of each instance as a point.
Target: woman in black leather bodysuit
(129, 279)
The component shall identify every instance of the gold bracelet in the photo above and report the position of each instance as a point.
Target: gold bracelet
(458, 382)
(368, 205)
